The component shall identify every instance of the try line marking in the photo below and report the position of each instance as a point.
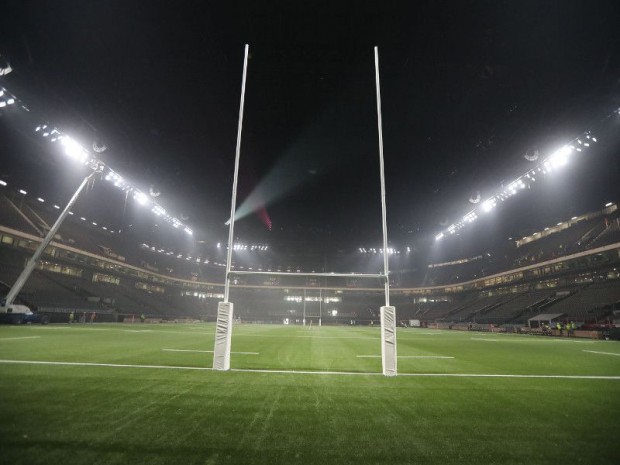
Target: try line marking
(14, 338)
(294, 372)
(604, 353)
(207, 351)
(405, 356)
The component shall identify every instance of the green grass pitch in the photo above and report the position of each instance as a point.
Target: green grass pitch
(124, 394)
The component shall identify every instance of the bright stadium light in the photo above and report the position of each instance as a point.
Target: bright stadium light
(3, 183)
(158, 210)
(560, 157)
(22, 192)
(40, 200)
(73, 149)
(439, 236)
(141, 198)
(488, 205)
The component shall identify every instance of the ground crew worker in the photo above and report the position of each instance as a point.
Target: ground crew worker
(558, 326)
(71, 317)
(142, 318)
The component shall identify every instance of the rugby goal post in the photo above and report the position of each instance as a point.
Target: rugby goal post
(223, 335)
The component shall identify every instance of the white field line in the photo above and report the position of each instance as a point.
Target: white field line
(604, 353)
(294, 372)
(519, 338)
(405, 356)
(89, 364)
(165, 331)
(15, 338)
(207, 351)
(313, 337)
(75, 327)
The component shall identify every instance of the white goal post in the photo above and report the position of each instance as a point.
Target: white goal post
(223, 335)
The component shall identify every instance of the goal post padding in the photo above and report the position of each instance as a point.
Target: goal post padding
(223, 336)
(388, 341)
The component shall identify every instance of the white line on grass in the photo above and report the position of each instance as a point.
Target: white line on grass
(14, 338)
(293, 372)
(72, 327)
(483, 339)
(484, 375)
(405, 356)
(207, 351)
(313, 337)
(89, 364)
(604, 353)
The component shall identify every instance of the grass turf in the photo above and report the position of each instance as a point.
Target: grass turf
(116, 415)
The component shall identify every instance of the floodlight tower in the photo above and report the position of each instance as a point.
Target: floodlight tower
(96, 168)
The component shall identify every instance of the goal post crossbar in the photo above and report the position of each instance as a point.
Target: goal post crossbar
(322, 275)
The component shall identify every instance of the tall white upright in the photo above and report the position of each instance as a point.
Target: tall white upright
(223, 331)
(388, 313)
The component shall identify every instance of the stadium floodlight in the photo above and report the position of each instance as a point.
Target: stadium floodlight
(141, 198)
(188, 231)
(158, 210)
(439, 236)
(559, 158)
(2, 183)
(22, 192)
(10, 101)
(609, 204)
(73, 149)
(2, 104)
(470, 217)
(40, 200)
(488, 205)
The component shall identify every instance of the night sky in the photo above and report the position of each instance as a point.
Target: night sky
(468, 88)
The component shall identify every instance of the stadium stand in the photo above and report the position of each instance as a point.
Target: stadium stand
(87, 269)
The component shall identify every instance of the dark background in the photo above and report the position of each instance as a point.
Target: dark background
(468, 88)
